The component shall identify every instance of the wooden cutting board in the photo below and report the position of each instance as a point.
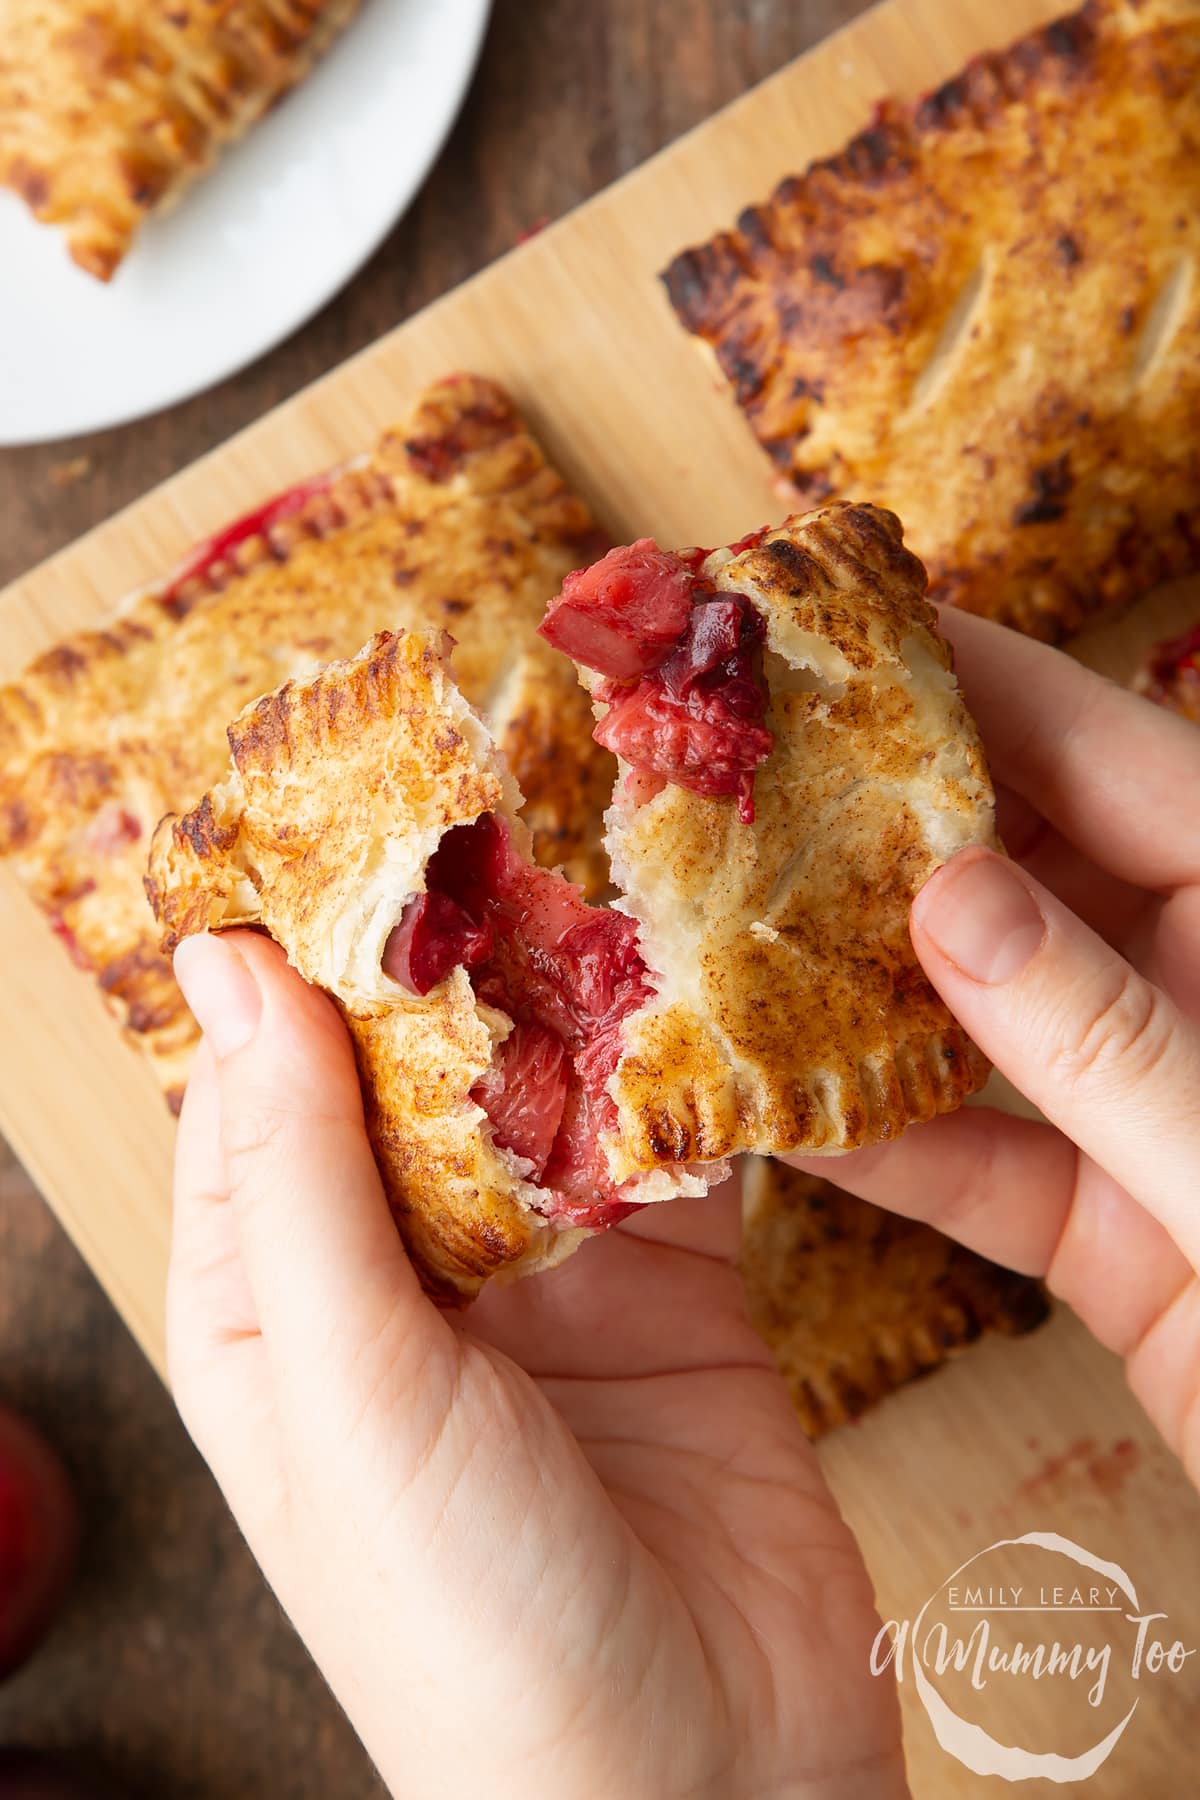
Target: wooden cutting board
(1039, 1434)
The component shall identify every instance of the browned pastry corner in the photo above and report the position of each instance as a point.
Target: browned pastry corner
(455, 521)
(1170, 674)
(985, 314)
(855, 1301)
(109, 108)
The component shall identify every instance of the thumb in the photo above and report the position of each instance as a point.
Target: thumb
(325, 1264)
(1104, 1054)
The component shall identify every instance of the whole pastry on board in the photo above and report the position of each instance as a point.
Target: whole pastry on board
(455, 519)
(984, 313)
(856, 1302)
(795, 761)
(109, 108)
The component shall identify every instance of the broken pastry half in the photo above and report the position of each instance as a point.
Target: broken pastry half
(985, 313)
(455, 519)
(797, 761)
(108, 110)
(855, 1301)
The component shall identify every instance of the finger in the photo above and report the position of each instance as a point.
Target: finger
(1174, 962)
(1121, 913)
(217, 1368)
(656, 1296)
(710, 1225)
(209, 1304)
(1000, 1185)
(324, 1261)
(1017, 1192)
(1101, 1052)
(1115, 774)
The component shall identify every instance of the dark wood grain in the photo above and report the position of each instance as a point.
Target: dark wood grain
(172, 1668)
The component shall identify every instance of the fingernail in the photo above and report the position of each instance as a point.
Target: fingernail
(981, 916)
(221, 991)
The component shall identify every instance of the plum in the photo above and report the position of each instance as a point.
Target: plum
(39, 1538)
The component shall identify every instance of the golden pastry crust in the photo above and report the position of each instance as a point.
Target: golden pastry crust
(791, 1008)
(787, 1008)
(109, 109)
(341, 789)
(985, 315)
(855, 1301)
(456, 521)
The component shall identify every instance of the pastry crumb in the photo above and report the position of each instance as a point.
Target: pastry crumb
(66, 474)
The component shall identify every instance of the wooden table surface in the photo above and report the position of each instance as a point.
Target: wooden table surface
(172, 1669)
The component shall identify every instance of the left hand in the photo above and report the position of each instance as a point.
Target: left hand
(570, 1543)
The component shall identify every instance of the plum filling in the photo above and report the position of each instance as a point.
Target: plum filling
(565, 973)
(1178, 660)
(682, 669)
(258, 523)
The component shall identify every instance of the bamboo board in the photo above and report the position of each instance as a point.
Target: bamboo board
(1039, 1434)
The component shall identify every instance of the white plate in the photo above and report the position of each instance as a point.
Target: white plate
(263, 240)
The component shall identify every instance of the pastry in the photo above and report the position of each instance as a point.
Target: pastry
(855, 1301)
(109, 108)
(794, 767)
(984, 313)
(534, 1067)
(455, 521)
(370, 826)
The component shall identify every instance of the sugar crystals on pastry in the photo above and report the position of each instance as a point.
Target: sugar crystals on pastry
(795, 759)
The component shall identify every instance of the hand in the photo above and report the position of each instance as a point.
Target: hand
(571, 1543)
(1076, 968)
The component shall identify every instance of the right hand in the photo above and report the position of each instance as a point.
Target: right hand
(1076, 968)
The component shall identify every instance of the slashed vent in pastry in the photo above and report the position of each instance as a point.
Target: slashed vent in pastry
(533, 1066)
(985, 314)
(108, 108)
(456, 520)
(855, 1301)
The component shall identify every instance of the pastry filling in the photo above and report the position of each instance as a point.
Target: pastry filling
(1176, 661)
(565, 973)
(682, 669)
(221, 547)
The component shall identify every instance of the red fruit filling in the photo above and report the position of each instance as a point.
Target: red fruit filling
(624, 614)
(682, 667)
(252, 524)
(1177, 660)
(111, 829)
(565, 973)
(434, 935)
